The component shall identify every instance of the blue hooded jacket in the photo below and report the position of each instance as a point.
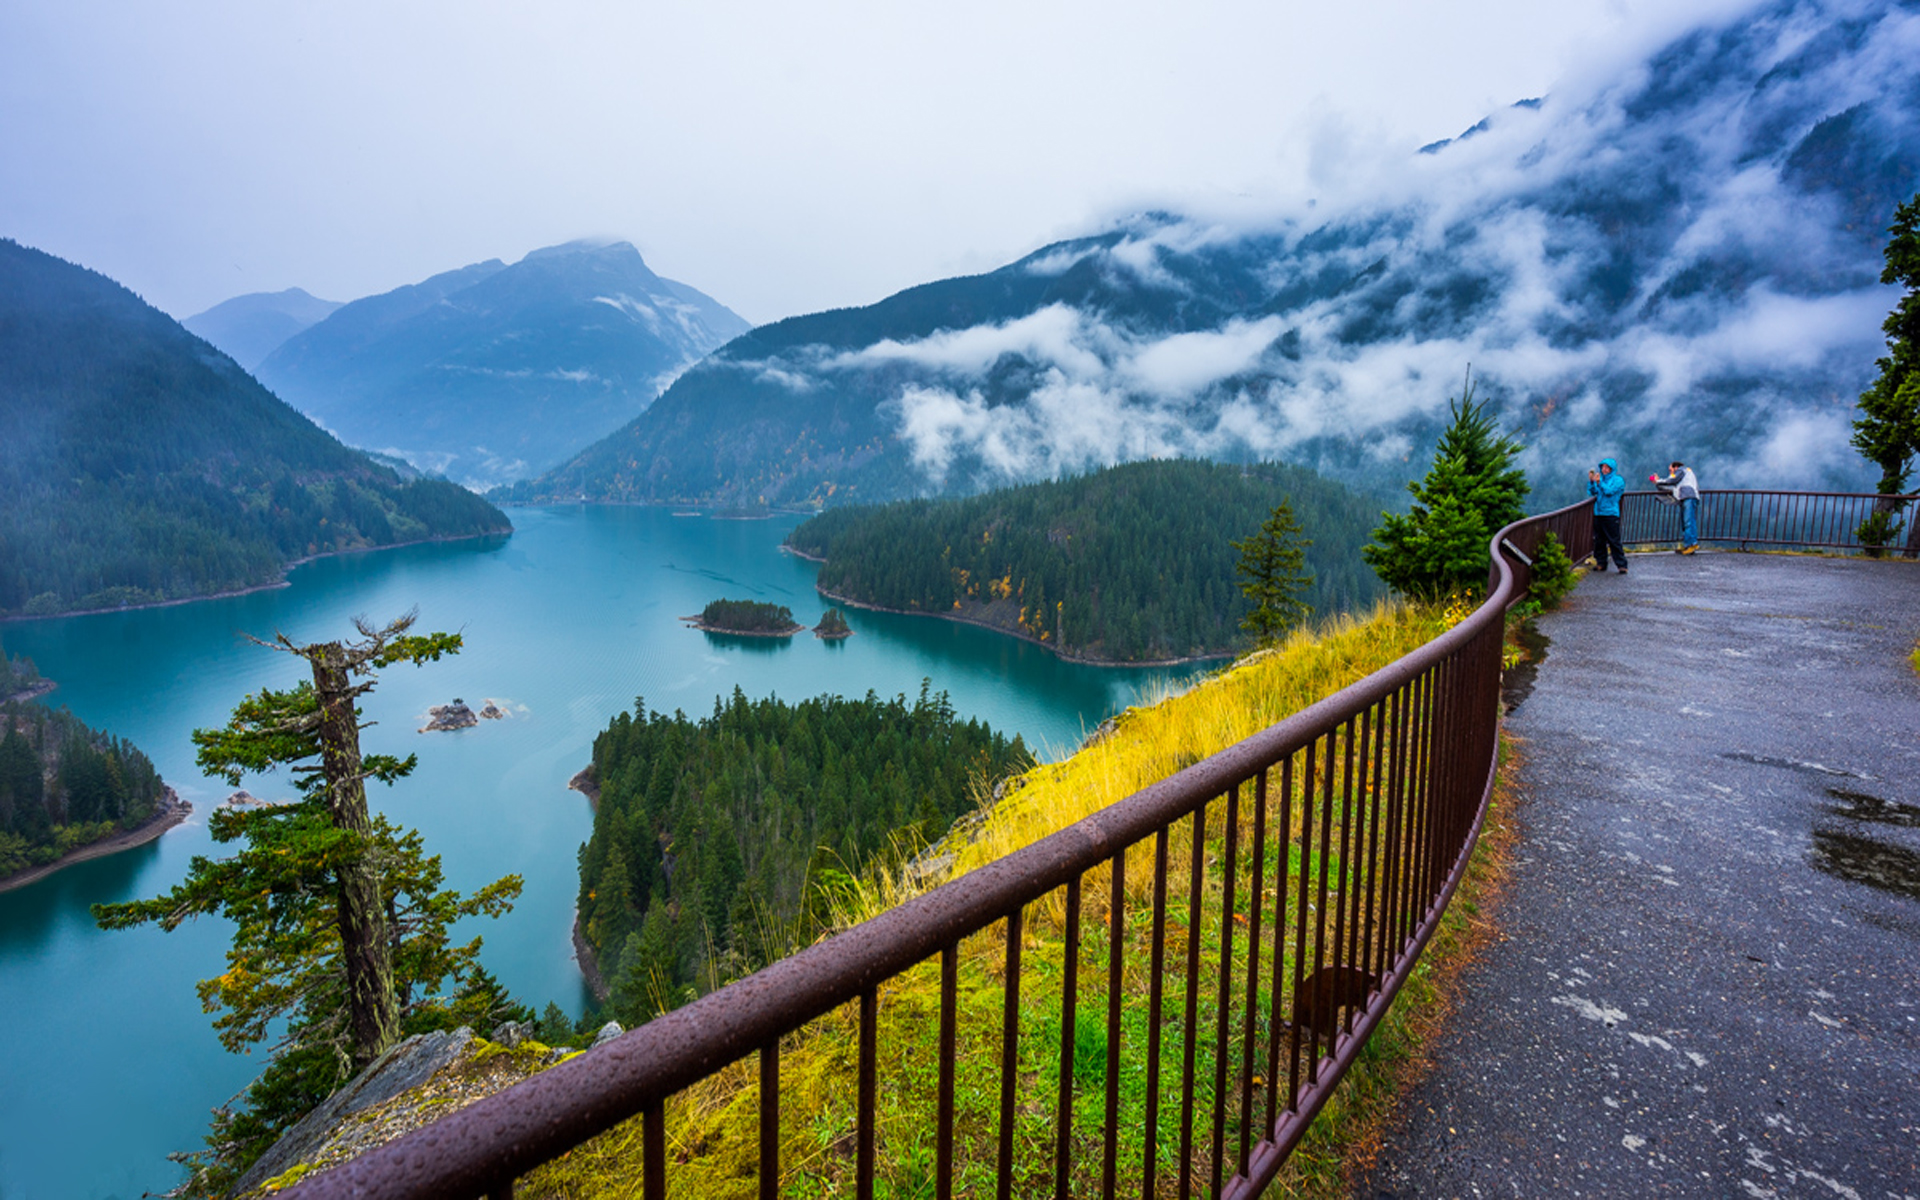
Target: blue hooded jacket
(1606, 493)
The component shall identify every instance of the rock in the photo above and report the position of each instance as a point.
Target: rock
(512, 1033)
(445, 717)
(608, 1032)
(492, 712)
(406, 1065)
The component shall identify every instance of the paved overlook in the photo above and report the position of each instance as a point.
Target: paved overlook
(1707, 976)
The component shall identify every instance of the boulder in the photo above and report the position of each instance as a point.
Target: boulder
(407, 1064)
(608, 1032)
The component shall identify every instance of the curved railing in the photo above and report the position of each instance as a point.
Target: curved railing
(1319, 855)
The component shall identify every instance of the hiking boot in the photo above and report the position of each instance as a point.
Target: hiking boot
(1599, 566)
(1688, 549)
(1623, 568)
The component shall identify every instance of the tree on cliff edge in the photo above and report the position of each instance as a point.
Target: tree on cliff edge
(341, 927)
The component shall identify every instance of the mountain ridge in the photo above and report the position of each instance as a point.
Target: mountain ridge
(138, 464)
(1680, 261)
(491, 370)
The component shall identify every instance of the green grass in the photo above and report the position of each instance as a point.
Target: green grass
(712, 1128)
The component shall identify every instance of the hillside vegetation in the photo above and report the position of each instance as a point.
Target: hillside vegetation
(139, 464)
(1134, 563)
(63, 785)
(713, 838)
(712, 1130)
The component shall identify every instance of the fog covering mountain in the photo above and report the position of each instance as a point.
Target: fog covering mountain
(250, 327)
(1679, 261)
(492, 372)
(139, 464)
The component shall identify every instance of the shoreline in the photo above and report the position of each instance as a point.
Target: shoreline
(589, 969)
(703, 627)
(230, 593)
(1076, 659)
(173, 811)
(583, 782)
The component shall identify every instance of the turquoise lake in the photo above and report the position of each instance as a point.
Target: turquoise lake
(109, 1064)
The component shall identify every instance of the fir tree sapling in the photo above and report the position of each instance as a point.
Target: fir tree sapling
(1274, 577)
(1472, 491)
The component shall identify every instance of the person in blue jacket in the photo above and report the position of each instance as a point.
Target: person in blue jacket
(1605, 486)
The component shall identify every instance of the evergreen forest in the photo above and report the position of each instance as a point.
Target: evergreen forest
(1133, 563)
(63, 785)
(138, 463)
(748, 616)
(715, 841)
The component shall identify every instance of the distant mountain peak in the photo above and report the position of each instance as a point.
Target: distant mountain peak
(1680, 260)
(491, 372)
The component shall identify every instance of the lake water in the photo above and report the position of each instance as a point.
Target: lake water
(107, 1062)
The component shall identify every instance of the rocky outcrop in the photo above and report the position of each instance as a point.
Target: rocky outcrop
(443, 718)
(405, 1066)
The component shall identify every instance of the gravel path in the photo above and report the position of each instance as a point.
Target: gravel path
(1708, 976)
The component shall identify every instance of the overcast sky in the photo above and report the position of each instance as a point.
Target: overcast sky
(782, 157)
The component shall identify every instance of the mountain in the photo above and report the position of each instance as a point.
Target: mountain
(1680, 260)
(138, 463)
(491, 372)
(248, 328)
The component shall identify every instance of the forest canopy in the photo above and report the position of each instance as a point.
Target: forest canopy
(63, 785)
(712, 837)
(138, 463)
(1134, 563)
(748, 616)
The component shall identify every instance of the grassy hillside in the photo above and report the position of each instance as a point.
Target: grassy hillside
(712, 1132)
(139, 464)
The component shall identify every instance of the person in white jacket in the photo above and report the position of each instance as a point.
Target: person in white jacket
(1680, 487)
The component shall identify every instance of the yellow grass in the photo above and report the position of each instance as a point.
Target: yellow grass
(712, 1128)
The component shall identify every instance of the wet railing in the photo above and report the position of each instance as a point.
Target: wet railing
(1264, 905)
(1788, 520)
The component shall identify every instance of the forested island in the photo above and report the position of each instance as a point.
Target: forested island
(833, 626)
(748, 618)
(139, 465)
(1132, 564)
(714, 841)
(65, 787)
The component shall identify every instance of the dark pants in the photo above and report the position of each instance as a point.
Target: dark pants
(1606, 536)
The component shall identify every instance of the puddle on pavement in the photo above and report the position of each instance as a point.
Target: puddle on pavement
(1792, 764)
(1516, 682)
(1866, 860)
(1858, 806)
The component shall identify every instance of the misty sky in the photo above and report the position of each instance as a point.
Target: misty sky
(784, 158)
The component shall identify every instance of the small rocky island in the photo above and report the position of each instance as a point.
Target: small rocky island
(833, 626)
(746, 618)
(443, 718)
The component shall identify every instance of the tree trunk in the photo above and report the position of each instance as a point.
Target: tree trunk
(373, 1015)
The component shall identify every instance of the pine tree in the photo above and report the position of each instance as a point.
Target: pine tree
(340, 924)
(1274, 577)
(1471, 491)
(1888, 430)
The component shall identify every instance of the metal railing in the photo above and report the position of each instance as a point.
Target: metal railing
(1317, 858)
(1811, 520)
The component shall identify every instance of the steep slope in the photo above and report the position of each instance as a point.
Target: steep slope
(1682, 261)
(250, 327)
(493, 371)
(138, 463)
